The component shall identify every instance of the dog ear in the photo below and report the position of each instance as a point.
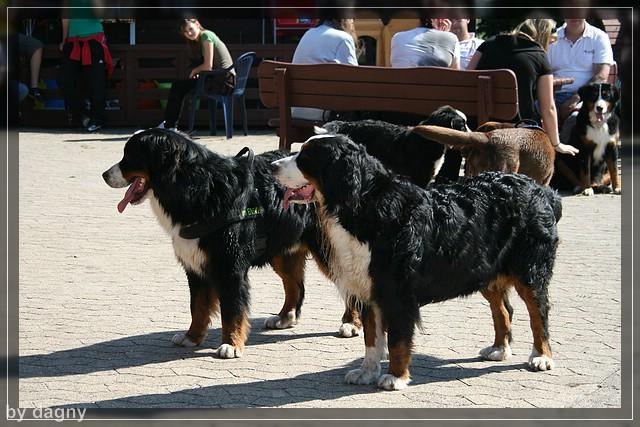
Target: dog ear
(583, 92)
(615, 94)
(343, 183)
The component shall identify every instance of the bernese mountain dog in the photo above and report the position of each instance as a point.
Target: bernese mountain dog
(396, 246)
(408, 154)
(404, 151)
(596, 135)
(224, 215)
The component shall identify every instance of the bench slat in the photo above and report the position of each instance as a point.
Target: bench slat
(483, 94)
(434, 91)
(386, 75)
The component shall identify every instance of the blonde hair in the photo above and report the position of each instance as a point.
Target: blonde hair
(537, 30)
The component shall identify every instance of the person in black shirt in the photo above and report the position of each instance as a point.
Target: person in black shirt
(523, 52)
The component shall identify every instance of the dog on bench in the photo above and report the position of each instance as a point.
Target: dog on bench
(502, 147)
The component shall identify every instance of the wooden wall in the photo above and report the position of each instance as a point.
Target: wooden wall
(138, 100)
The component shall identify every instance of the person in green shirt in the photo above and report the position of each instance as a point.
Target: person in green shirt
(84, 54)
(211, 54)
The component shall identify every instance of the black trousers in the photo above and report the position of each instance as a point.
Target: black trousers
(214, 84)
(71, 72)
(179, 90)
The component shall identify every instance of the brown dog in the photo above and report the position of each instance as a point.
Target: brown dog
(499, 147)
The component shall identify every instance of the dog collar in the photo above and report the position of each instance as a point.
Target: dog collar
(204, 228)
(529, 124)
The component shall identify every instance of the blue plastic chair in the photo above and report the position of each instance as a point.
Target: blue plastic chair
(243, 67)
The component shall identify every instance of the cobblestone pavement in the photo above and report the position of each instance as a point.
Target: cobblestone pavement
(101, 295)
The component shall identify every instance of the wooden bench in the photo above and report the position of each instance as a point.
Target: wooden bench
(487, 94)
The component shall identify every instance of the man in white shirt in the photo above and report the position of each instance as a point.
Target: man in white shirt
(330, 42)
(582, 52)
(467, 40)
(424, 46)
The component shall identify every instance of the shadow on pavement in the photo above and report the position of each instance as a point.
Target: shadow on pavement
(320, 385)
(138, 350)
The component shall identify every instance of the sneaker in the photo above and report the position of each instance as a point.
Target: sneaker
(94, 127)
(35, 94)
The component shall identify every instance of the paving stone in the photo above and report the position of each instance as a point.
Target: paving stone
(101, 295)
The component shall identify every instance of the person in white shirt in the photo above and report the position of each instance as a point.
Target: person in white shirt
(424, 46)
(467, 40)
(582, 52)
(333, 41)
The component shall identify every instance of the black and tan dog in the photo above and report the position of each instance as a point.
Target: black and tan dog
(499, 147)
(395, 246)
(224, 215)
(404, 151)
(596, 135)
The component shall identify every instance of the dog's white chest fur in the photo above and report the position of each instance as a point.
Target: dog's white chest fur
(186, 250)
(601, 137)
(349, 262)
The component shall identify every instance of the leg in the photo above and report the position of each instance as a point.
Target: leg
(585, 176)
(612, 166)
(177, 93)
(496, 294)
(213, 111)
(234, 306)
(97, 84)
(400, 341)
(69, 74)
(290, 268)
(204, 303)
(561, 168)
(34, 64)
(538, 306)
(351, 323)
(374, 343)
(243, 115)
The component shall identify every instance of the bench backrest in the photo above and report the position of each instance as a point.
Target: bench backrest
(486, 94)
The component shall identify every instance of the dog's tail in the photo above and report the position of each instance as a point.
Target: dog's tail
(455, 138)
(556, 203)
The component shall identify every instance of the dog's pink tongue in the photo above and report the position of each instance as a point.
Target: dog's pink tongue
(600, 117)
(131, 191)
(287, 196)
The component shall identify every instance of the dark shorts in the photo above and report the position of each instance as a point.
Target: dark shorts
(28, 45)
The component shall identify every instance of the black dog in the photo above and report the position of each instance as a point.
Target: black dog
(405, 152)
(224, 215)
(396, 247)
(596, 134)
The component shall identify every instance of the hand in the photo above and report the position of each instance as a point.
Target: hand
(441, 24)
(193, 74)
(566, 149)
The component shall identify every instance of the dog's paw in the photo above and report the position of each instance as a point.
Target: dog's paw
(362, 376)
(277, 322)
(540, 362)
(183, 340)
(588, 192)
(617, 190)
(390, 382)
(348, 330)
(227, 351)
(496, 353)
